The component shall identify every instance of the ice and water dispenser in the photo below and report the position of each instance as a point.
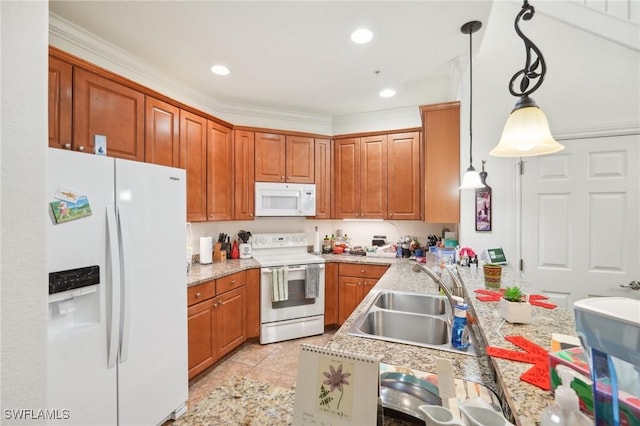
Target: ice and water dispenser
(609, 329)
(73, 300)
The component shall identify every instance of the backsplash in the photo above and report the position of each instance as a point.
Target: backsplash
(360, 231)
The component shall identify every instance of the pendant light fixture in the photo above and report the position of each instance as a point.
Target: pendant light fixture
(471, 178)
(526, 132)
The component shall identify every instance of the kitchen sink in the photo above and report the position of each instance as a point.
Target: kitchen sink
(425, 329)
(409, 318)
(412, 302)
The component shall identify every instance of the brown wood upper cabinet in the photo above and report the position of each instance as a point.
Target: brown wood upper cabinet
(403, 162)
(60, 103)
(104, 107)
(162, 133)
(378, 177)
(193, 158)
(324, 178)
(361, 177)
(219, 172)
(243, 147)
(441, 130)
(280, 158)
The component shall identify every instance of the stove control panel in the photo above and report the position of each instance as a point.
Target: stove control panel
(265, 241)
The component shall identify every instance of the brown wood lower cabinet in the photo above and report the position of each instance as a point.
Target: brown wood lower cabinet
(354, 283)
(217, 318)
(253, 303)
(331, 294)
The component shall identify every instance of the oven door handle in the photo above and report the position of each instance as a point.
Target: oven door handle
(298, 268)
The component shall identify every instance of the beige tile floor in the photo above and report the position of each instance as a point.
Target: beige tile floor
(274, 363)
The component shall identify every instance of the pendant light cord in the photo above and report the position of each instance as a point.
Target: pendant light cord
(470, 97)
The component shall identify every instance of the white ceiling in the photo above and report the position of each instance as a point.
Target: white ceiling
(291, 55)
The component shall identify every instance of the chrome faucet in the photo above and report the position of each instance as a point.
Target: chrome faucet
(457, 285)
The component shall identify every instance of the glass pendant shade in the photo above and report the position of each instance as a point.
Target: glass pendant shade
(526, 134)
(471, 179)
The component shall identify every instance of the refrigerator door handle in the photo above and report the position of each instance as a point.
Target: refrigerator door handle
(125, 317)
(113, 298)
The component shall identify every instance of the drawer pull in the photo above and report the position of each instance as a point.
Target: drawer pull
(198, 294)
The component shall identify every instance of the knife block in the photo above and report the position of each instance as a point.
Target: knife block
(219, 254)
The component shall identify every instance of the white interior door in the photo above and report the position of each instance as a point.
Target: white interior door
(580, 219)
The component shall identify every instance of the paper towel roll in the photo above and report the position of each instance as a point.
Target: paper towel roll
(316, 242)
(206, 250)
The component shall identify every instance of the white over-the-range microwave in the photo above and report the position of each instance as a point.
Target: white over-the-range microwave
(285, 199)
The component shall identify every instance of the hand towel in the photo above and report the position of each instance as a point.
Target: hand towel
(312, 282)
(279, 290)
(275, 284)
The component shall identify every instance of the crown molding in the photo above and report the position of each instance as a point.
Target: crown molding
(79, 42)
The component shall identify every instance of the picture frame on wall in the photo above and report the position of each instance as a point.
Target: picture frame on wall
(483, 204)
(483, 209)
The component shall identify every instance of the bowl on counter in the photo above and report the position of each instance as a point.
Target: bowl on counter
(338, 250)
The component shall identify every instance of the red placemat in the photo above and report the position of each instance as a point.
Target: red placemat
(494, 296)
(537, 375)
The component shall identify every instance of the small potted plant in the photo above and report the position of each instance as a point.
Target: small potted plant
(514, 306)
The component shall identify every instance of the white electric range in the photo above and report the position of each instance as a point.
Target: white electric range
(291, 287)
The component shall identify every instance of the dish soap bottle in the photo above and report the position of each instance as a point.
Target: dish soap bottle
(566, 410)
(459, 331)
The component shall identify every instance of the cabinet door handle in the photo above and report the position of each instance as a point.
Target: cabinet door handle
(81, 148)
(362, 271)
(197, 295)
(67, 146)
(281, 177)
(233, 281)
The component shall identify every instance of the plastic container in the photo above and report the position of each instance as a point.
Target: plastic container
(459, 331)
(566, 410)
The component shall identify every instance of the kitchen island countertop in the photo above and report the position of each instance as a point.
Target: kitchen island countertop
(524, 400)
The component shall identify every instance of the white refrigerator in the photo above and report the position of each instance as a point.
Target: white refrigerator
(117, 342)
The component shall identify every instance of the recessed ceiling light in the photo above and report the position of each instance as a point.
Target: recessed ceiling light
(361, 36)
(220, 70)
(387, 93)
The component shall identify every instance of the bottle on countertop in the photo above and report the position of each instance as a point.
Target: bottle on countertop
(235, 251)
(459, 330)
(326, 244)
(333, 242)
(566, 410)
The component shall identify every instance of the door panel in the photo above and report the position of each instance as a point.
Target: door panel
(580, 221)
(104, 107)
(373, 172)
(193, 158)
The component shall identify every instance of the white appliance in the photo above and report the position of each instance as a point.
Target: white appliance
(117, 342)
(285, 199)
(295, 315)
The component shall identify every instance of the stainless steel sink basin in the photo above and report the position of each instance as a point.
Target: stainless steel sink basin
(412, 302)
(409, 318)
(405, 393)
(425, 329)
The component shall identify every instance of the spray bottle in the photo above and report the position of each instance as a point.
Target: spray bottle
(566, 410)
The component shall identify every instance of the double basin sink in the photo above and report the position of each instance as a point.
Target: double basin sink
(409, 318)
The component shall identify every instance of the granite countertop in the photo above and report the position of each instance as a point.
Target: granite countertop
(524, 400)
(202, 273)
